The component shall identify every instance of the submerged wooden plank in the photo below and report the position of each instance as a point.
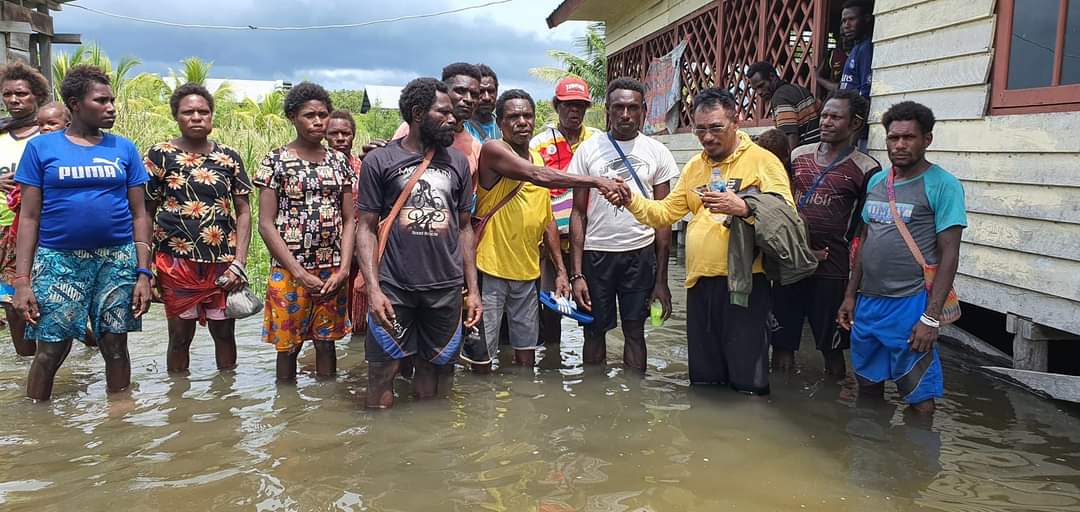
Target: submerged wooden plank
(1056, 385)
(939, 74)
(922, 17)
(1055, 312)
(1058, 204)
(964, 39)
(1054, 239)
(948, 104)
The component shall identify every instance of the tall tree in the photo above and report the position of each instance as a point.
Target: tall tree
(590, 65)
(91, 53)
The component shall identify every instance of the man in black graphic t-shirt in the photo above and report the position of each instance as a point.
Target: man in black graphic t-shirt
(414, 291)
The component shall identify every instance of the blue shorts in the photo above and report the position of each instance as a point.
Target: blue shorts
(73, 285)
(880, 350)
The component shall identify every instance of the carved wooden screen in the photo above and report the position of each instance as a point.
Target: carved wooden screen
(725, 38)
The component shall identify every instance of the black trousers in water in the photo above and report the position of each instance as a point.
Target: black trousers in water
(727, 343)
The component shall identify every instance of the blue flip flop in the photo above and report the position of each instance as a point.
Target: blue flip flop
(548, 300)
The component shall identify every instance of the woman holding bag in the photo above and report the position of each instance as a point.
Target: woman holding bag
(198, 195)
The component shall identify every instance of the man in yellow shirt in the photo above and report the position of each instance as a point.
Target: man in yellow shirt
(512, 193)
(727, 343)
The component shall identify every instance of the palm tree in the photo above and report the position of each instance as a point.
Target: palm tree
(91, 53)
(197, 71)
(591, 66)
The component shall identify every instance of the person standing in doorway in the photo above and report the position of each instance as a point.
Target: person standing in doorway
(198, 196)
(556, 144)
(483, 125)
(857, 29)
(71, 265)
(829, 186)
(619, 264)
(24, 91)
(416, 265)
(893, 313)
(306, 220)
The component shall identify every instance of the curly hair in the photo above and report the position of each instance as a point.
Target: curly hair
(714, 97)
(765, 69)
(858, 106)
(79, 80)
(304, 92)
(419, 93)
(19, 70)
(512, 94)
(865, 7)
(461, 68)
(625, 83)
(344, 115)
(486, 70)
(776, 142)
(910, 111)
(187, 90)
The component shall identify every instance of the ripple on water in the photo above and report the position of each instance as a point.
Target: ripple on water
(562, 438)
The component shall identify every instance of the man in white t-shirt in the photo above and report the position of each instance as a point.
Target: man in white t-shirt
(613, 256)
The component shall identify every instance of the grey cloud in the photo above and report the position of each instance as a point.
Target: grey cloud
(419, 46)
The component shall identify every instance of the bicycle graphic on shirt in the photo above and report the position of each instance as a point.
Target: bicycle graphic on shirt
(427, 209)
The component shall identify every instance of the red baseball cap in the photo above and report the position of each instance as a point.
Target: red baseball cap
(572, 89)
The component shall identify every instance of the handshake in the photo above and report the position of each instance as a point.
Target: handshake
(615, 191)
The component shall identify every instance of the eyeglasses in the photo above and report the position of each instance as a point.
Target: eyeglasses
(716, 129)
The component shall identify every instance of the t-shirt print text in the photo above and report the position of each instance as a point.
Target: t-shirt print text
(880, 213)
(104, 169)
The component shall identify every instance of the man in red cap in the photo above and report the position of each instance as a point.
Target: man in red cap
(557, 144)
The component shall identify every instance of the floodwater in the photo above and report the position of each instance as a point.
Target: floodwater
(555, 439)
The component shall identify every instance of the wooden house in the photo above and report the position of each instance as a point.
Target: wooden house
(28, 34)
(1002, 77)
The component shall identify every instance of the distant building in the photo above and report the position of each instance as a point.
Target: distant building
(384, 97)
(254, 90)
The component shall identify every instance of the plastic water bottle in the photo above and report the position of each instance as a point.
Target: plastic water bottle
(718, 184)
(656, 314)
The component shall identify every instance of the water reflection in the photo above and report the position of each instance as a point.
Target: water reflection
(559, 438)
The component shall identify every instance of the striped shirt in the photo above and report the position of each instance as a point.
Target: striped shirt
(795, 112)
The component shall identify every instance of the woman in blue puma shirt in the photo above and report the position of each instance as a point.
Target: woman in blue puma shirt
(82, 246)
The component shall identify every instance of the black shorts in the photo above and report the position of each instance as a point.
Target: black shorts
(728, 343)
(627, 276)
(431, 321)
(817, 300)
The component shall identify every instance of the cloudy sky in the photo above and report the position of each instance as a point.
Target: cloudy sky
(511, 38)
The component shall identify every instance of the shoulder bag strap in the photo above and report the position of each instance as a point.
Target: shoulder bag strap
(821, 177)
(482, 222)
(626, 163)
(388, 222)
(899, 221)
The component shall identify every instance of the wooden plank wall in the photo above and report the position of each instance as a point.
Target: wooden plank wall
(1021, 173)
(634, 20)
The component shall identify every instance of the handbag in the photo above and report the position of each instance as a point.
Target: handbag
(242, 302)
(950, 311)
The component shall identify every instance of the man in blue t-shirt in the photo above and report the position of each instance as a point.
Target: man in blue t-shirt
(893, 317)
(856, 25)
(482, 126)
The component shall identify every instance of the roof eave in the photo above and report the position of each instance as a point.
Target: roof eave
(563, 12)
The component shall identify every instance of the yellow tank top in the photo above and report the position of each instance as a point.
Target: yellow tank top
(510, 247)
